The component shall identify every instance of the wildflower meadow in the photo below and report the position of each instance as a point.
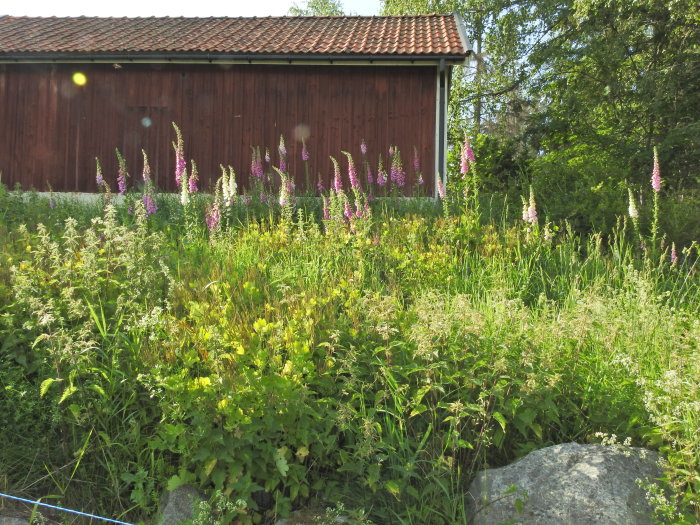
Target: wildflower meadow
(340, 346)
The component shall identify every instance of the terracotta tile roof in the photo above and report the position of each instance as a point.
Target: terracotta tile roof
(396, 36)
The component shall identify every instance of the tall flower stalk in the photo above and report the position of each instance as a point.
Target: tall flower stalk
(352, 173)
(285, 199)
(337, 180)
(416, 167)
(305, 157)
(398, 175)
(633, 213)
(180, 162)
(256, 165)
(381, 173)
(194, 178)
(282, 149)
(122, 173)
(99, 176)
(148, 198)
(469, 175)
(656, 186)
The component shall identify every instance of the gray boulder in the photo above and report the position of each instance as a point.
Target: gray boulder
(179, 505)
(568, 484)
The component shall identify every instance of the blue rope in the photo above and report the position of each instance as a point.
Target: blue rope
(63, 509)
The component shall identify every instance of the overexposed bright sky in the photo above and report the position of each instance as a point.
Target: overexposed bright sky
(168, 7)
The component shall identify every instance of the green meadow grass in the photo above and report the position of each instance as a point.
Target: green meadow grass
(275, 365)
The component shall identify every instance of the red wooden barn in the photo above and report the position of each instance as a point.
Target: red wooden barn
(72, 89)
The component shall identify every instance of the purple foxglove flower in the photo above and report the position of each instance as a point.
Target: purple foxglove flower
(194, 177)
(121, 183)
(262, 196)
(532, 208)
(352, 174)
(146, 175)
(99, 177)
(391, 151)
(319, 186)
(304, 152)
(467, 156)
(326, 211)
(149, 204)
(212, 216)
(381, 174)
(398, 175)
(267, 155)
(337, 180)
(180, 166)
(180, 162)
(420, 179)
(256, 166)
(656, 173)
(442, 191)
(283, 155)
(348, 210)
(122, 173)
(363, 147)
(674, 255)
(52, 204)
(282, 148)
(370, 177)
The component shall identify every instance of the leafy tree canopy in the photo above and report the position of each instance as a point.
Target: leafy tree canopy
(317, 8)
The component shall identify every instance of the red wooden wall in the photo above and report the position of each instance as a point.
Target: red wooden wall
(52, 129)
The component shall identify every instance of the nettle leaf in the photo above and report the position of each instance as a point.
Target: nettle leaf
(67, 393)
(281, 461)
(46, 384)
(182, 478)
(501, 420)
(393, 488)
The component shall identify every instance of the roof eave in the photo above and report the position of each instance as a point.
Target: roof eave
(224, 58)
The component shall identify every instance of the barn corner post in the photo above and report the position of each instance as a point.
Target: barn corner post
(444, 81)
(441, 128)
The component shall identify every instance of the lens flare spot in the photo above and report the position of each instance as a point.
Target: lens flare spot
(302, 132)
(79, 79)
(146, 122)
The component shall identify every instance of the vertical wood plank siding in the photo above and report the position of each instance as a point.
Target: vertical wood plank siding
(51, 130)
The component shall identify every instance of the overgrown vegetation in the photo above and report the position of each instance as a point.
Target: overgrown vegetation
(570, 96)
(347, 354)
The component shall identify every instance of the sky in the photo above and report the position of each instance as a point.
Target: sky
(169, 7)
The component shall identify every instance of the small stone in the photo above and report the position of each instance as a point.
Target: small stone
(568, 484)
(12, 520)
(179, 505)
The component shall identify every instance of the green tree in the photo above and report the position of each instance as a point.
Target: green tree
(317, 8)
(623, 77)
